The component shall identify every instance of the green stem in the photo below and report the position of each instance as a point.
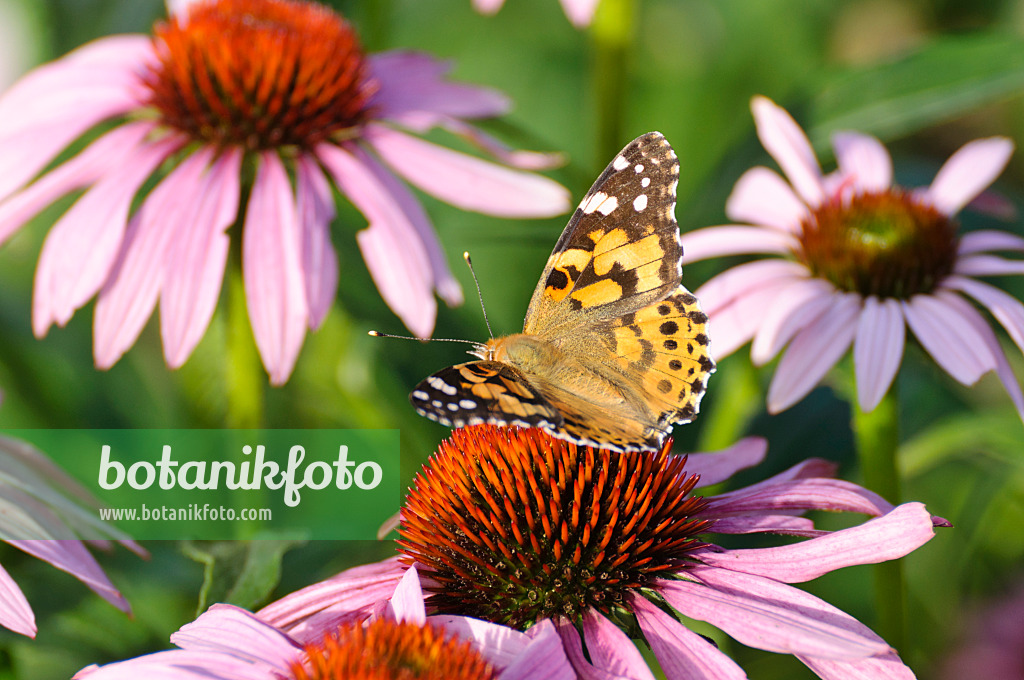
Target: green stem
(243, 372)
(612, 32)
(876, 435)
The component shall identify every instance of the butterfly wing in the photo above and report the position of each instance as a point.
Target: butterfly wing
(620, 251)
(478, 392)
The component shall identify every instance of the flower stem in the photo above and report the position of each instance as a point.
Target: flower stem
(243, 372)
(612, 33)
(876, 435)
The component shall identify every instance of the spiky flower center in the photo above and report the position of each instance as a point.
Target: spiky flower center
(258, 73)
(515, 526)
(888, 244)
(389, 650)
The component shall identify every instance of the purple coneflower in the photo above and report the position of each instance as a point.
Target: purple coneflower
(394, 643)
(247, 111)
(519, 528)
(859, 260)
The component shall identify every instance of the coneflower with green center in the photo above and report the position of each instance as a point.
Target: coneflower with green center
(516, 527)
(396, 643)
(230, 104)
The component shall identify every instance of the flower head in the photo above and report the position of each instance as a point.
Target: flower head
(396, 642)
(862, 259)
(514, 526)
(246, 112)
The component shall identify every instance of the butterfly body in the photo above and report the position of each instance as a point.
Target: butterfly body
(613, 350)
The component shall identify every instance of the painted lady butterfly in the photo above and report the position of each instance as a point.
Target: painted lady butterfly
(613, 350)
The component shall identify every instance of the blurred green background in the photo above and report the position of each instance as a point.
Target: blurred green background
(926, 77)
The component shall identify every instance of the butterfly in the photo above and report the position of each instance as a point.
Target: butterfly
(614, 351)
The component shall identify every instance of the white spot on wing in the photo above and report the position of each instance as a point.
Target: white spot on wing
(441, 385)
(619, 163)
(467, 404)
(645, 182)
(640, 202)
(421, 395)
(600, 202)
(638, 168)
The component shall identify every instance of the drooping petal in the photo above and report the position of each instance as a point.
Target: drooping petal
(275, 292)
(891, 536)
(413, 91)
(723, 240)
(543, 659)
(227, 629)
(407, 602)
(84, 244)
(392, 246)
(196, 260)
(881, 667)
(467, 182)
(813, 352)
(786, 142)
(130, 293)
(761, 196)
(1004, 307)
(742, 280)
(499, 645)
(968, 172)
(989, 239)
(585, 670)
(611, 649)
(783, 525)
(682, 654)
(109, 152)
(800, 495)
(863, 160)
(72, 557)
(877, 349)
(721, 465)
(948, 338)
(177, 664)
(769, 615)
(987, 265)
(315, 205)
(524, 160)
(15, 612)
(797, 305)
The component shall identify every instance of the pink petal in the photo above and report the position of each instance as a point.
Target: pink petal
(1004, 307)
(863, 160)
(795, 306)
(877, 349)
(315, 205)
(392, 246)
(70, 556)
(611, 649)
(580, 12)
(765, 614)
(720, 241)
(682, 654)
(815, 349)
(412, 84)
(948, 337)
(487, 6)
(891, 536)
(196, 260)
(106, 154)
(407, 602)
(543, 658)
(987, 265)
(177, 664)
(226, 629)
(761, 196)
(574, 651)
(783, 525)
(733, 325)
(881, 667)
(721, 465)
(275, 293)
(499, 645)
(968, 172)
(467, 182)
(989, 239)
(745, 279)
(524, 160)
(15, 612)
(789, 146)
(797, 495)
(83, 245)
(130, 293)
(807, 469)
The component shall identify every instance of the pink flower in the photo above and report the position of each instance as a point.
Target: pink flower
(859, 259)
(580, 12)
(275, 91)
(41, 521)
(228, 643)
(520, 528)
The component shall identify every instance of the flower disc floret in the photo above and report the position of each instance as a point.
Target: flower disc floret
(258, 73)
(515, 526)
(885, 243)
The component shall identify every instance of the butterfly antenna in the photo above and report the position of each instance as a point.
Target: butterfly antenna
(480, 296)
(378, 334)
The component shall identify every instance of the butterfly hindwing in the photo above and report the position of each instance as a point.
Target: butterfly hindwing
(478, 392)
(620, 251)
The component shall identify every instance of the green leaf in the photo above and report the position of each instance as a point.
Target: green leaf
(945, 79)
(243, 573)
